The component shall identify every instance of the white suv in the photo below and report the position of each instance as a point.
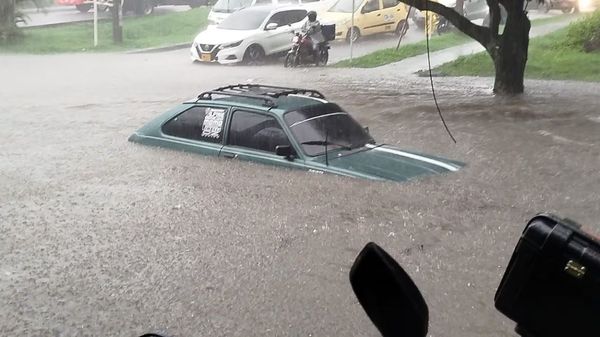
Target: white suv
(249, 35)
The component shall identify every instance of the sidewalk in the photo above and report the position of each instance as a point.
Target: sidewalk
(417, 63)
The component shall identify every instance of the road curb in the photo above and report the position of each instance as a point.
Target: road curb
(159, 49)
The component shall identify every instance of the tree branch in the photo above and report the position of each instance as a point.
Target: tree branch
(495, 16)
(478, 33)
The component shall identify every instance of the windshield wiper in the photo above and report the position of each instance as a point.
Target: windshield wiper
(324, 143)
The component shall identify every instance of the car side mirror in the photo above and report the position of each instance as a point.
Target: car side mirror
(388, 295)
(284, 151)
(367, 130)
(271, 26)
(363, 10)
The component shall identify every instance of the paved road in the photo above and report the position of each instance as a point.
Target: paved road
(99, 236)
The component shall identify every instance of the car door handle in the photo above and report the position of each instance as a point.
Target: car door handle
(229, 155)
(379, 14)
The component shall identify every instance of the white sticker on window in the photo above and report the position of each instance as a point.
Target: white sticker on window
(213, 123)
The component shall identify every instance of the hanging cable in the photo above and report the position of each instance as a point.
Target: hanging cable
(431, 76)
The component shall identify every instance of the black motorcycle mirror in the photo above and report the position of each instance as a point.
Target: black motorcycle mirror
(389, 296)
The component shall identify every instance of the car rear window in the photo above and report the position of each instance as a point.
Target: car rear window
(246, 19)
(197, 123)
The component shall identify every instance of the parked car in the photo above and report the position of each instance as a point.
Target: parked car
(287, 127)
(370, 17)
(249, 35)
(223, 8)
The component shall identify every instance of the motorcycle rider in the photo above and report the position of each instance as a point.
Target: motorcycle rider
(312, 29)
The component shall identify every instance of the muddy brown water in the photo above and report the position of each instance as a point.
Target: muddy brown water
(99, 236)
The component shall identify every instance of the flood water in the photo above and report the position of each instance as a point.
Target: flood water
(99, 236)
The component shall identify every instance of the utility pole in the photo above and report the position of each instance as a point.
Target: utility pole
(95, 23)
(117, 23)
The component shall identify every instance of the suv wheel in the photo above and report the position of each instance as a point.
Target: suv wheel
(402, 28)
(144, 7)
(83, 8)
(254, 54)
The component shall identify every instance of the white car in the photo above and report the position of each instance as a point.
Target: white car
(249, 35)
(223, 8)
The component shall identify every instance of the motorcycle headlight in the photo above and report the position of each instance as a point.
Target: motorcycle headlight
(231, 45)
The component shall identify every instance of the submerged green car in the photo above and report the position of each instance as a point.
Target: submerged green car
(294, 128)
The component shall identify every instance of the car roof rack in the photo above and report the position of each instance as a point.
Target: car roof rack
(208, 95)
(266, 93)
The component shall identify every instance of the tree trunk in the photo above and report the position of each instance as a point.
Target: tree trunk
(7, 13)
(7, 20)
(510, 54)
(117, 23)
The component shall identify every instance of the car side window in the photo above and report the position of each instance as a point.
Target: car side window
(390, 3)
(256, 131)
(197, 123)
(280, 18)
(297, 15)
(261, 2)
(371, 6)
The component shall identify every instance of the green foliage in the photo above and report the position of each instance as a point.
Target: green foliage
(550, 57)
(138, 32)
(584, 32)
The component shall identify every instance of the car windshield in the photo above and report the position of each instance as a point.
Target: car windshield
(345, 6)
(230, 6)
(245, 20)
(314, 127)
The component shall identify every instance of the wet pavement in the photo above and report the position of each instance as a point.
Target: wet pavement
(102, 237)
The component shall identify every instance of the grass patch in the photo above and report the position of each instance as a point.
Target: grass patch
(390, 55)
(138, 32)
(558, 55)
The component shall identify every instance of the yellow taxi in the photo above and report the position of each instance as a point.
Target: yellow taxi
(370, 17)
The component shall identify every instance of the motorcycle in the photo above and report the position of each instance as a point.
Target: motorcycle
(302, 52)
(443, 25)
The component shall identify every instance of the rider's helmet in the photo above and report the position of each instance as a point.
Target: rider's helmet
(312, 16)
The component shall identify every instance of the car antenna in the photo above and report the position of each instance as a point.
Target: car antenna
(431, 76)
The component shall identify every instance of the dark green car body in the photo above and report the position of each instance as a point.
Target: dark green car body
(251, 128)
